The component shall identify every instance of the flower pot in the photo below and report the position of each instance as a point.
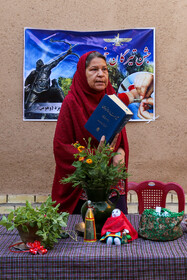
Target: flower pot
(102, 206)
(29, 236)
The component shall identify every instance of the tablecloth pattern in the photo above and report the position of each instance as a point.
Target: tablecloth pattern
(69, 259)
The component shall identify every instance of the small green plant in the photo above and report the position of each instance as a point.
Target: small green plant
(46, 217)
(93, 168)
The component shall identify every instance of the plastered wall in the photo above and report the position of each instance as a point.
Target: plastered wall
(157, 149)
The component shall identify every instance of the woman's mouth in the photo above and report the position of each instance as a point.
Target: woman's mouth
(100, 82)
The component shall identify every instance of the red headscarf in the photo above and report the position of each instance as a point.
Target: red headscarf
(76, 108)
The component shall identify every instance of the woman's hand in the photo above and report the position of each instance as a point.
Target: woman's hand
(112, 145)
(120, 158)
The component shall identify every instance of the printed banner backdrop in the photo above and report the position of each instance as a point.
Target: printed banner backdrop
(50, 60)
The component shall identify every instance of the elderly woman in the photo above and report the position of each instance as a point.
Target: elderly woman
(90, 83)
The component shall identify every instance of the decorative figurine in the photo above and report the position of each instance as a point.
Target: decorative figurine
(90, 230)
(117, 229)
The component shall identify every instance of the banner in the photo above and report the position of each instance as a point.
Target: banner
(50, 61)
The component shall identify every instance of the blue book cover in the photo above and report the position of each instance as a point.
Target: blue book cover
(109, 118)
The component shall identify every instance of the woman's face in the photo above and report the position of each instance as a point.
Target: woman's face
(97, 74)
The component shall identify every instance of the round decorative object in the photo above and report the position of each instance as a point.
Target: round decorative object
(79, 228)
(101, 205)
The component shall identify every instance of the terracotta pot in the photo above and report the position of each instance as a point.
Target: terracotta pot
(29, 236)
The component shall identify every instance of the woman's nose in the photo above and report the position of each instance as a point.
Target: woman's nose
(100, 72)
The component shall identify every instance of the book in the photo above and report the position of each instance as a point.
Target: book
(109, 118)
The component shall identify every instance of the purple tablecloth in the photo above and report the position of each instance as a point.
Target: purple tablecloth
(141, 259)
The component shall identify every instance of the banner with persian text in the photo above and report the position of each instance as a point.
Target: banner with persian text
(50, 61)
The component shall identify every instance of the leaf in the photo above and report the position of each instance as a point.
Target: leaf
(39, 225)
(44, 236)
(3, 220)
(11, 216)
(11, 228)
(39, 232)
(63, 224)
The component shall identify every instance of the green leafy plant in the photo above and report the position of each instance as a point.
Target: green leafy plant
(93, 167)
(46, 218)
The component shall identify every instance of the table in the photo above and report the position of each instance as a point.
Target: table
(69, 259)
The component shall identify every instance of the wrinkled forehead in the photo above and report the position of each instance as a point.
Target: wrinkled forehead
(97, 62)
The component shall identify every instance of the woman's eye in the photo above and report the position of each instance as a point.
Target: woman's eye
(97, 69)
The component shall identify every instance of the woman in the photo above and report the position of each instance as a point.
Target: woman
(90, 83)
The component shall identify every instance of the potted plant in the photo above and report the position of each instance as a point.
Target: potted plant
(93, 168)
(42, 223)
(95, 173)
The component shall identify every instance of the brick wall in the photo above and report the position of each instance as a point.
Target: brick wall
(10, 202)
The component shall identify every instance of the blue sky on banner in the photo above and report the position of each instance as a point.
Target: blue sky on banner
(119, 47)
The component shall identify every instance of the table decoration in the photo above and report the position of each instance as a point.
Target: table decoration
(80, 228)
(42, 223)
(163, 226)
(117, 229)
(33, 248)
(90, 230)
(95, 173)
